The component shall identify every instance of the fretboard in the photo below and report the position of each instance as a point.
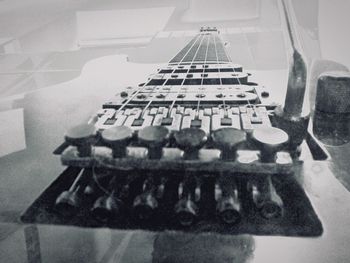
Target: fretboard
(204, 48)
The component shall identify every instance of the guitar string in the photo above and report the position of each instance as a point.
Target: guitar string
(203, 73)
(236, 72)
(93, 152)
(150, 102)
(169, 92)
(142, 88)
(218, 74)
(253, 60)
(192, 61)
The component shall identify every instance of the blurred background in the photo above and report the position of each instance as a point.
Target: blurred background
(45, 42)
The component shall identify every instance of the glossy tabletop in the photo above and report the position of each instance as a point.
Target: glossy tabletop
(45, 93)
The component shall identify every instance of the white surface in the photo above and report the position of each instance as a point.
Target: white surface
(124, 23)
(221, 10)
(12, 136)
(334, 37)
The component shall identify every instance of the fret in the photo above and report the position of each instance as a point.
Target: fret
(204, 47)
(201, 55)
(211, 56)
(184, 51)
(190, 55)
(222, 57)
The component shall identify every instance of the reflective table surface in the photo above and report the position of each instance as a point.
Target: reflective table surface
(54, 85)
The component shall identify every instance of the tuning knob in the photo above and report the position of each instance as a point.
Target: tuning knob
(190, 140)
(145, 204)
(266, 199)
(154, 138)
(228, 207)
(117, 138)
(269, 140)
(69, 201)
(82, 136)
(186, 211)
(227, 140)
(108, 206)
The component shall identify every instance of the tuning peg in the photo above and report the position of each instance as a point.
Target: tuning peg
(190, 140)
(266, 199)
(228, 206)
(117, 138)
(146, 204)
(227, 140)
(269, 140)
(186, 211)
(154, 138)
(69, 201)
(82, 136)
(108, 206)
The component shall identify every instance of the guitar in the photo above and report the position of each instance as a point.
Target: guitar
(200, 145)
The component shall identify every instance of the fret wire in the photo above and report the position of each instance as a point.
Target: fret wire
(190, 67)
(223, 99)
(150, 102)
(239, 82)
(190, 44)
(133, 96)
(188, 57)
(252, 57)
(145, 84)
(173, 103)
(202, 79)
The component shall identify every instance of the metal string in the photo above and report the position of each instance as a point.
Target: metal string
(217, 62)
(96, 158)
(239, 82)
(174, 101)
(205, 63)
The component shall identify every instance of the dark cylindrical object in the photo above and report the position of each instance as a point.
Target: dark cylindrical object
(190, 140)
(228, 207)
(266, 199)
(69, 201)
(331, 128)
(82, 136)
(108, 206)
(331, 120)
(154, 138)
(333, 92)
(146, 204)
(227, 140)
(186, 211)
(117, 138)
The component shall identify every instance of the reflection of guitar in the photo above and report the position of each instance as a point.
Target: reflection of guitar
(197, 138)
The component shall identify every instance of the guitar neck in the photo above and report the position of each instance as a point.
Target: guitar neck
(204, 48)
